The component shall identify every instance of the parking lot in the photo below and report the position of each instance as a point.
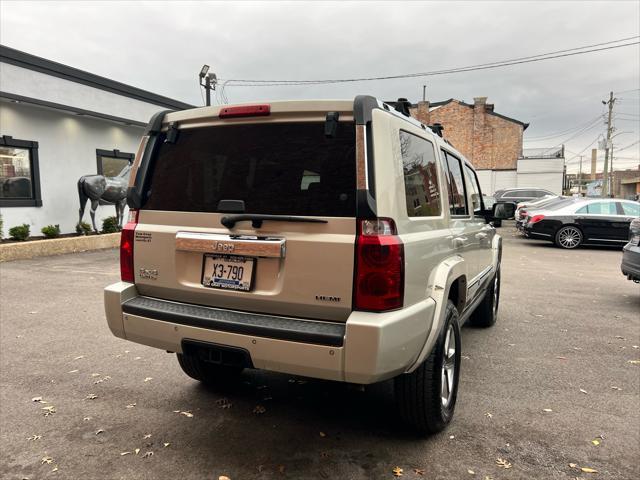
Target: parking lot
(555, 383)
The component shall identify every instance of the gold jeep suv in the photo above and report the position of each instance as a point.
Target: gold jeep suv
(340, 240)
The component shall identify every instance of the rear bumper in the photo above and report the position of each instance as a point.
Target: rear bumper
(631, 261)
(368, 348)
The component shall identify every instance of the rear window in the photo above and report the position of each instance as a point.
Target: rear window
(275, 168)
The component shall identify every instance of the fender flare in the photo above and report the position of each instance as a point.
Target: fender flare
(448, 271)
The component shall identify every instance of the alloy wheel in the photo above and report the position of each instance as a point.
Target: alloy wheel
(448, 367)
(569, 237)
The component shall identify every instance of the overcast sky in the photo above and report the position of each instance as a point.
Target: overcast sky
(161, 46)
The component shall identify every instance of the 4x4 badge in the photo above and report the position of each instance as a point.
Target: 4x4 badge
(151, 274)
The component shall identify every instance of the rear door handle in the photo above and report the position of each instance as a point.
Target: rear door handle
(459, 242)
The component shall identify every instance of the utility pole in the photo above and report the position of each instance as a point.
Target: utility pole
(605, 173)
(424, 93)
(580, 177)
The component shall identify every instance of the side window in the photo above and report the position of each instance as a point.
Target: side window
(602, 208)
(632, 209)
(474, 188)
(609, 208)
(19, 173)
(420, 176)
(455, 179)
(584, 209)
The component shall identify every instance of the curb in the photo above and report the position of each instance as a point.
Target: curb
(57, 246)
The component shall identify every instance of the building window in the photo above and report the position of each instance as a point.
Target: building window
(111, 162)
(421, 187)
(19, 173)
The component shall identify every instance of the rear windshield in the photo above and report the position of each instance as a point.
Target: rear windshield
(275, 168)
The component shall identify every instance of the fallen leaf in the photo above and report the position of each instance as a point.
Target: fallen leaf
(397, 472)
(91, 396)
(79, 357)
(131, 405)
(166, 444)
(223, 477)
(582, 390)
(176, 411)
(34, 437)
(620, 337)
(187, 414)
(259, 409)
(547, 410)
(55, 469)
(451, 437)
(137, 358)
(471, 472)
(588, 470)
(137, 450)
(95, 374)
(634, 362)
(615, 388)
(488, 415)
(86, 419)
(99, 432)
(148, 435)
(503, 463)
(573, 465)
(322, 434)
(561, 358)
(595, 442)
(46, 460)
(33, 312)
(50, 410)
(148, 379)
(635, 346)
(418, 471)
(125, 453)
(36, 399)
(73, 371)
(147, 454)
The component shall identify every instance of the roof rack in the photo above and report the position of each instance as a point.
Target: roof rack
(402, 105)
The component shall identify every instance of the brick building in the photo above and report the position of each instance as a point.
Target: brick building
(491, 141)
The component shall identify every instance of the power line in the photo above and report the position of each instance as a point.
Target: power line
(485, 66)
(563, 132)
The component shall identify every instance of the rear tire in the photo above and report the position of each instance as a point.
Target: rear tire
(206, 372)
(486, 314)
(426, 397)
(569, 237)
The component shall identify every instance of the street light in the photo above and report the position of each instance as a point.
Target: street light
(210, 80)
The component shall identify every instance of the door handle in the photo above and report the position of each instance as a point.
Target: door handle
(459, 242)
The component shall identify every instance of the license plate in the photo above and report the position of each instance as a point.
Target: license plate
(229, 272)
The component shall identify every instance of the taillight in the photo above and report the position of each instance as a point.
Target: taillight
(536, 218)
(379, 276)
(245, 111)
(126, 248)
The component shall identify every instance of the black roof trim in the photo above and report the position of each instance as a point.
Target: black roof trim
(445, 102)
(66, 108)
(39, 64)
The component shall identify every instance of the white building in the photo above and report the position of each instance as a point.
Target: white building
(536, 167)
(58, 123)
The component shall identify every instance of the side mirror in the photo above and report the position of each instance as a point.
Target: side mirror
(503, 211)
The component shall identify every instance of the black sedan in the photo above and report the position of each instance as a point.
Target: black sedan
(631, 253)
(575, 222)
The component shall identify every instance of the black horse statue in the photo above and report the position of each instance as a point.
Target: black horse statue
(103, 190)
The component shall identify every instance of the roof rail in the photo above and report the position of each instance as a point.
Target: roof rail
(402, 105)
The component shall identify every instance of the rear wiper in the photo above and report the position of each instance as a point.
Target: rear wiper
(256, 220)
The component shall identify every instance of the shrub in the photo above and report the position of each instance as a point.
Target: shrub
(20, 232)
(83, 228)
(51, 231)
(110, 225)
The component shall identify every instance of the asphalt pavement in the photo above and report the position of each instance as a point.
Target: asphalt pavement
(553, 388)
